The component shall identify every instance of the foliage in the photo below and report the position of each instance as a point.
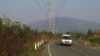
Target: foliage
(89, 33)
(17, 39)
(29, 50)
(0, 25)
(77, 35)
(92, 37)
(95, 40)
(6, 21)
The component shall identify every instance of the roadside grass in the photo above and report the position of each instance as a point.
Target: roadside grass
(82, 42)
(89, 44)
(30, 51)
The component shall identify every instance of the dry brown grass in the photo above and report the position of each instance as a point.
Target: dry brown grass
(84, 42)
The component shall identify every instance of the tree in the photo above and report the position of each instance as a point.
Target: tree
(89, 33)
(16, 27)
(0, 24)
(6, 21)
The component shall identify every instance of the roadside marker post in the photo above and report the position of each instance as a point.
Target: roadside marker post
(35, 45)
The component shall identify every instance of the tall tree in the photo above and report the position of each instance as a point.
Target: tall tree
(0, 25)
(6, 21)
(16, 27)
(89, 33)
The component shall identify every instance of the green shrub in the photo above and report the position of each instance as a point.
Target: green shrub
(95, 40)
(29, 50)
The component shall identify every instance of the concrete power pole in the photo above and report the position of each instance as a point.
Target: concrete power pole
(52, 17)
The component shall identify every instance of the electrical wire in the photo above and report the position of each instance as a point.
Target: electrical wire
(61, 8)
(63, 4)
(46, 5)
(59, 3)
(40, 7)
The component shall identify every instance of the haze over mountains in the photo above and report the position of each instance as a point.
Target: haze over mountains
(65, 24)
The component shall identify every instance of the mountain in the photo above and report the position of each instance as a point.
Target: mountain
(64, 24)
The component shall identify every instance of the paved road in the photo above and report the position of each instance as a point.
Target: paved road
(54, 48)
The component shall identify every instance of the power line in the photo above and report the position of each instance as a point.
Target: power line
(46, 5)
(61, 8)
(63, 4)
(59, 2)
(40, 7)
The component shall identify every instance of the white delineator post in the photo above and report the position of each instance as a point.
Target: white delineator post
(38, 44)
(35, 45)
(42, 41)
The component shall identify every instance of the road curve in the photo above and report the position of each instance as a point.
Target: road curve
(54, 48)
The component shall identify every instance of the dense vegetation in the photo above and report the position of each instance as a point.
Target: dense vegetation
(90, 38)
(18, 40)
(93, 36)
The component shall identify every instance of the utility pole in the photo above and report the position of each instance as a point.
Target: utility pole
(52, 17)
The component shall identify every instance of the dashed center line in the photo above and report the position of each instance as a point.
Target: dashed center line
(79, 51)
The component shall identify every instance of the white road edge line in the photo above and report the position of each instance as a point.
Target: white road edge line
(49, 50)
(79, 51)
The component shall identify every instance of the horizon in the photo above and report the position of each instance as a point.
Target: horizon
(27, 11)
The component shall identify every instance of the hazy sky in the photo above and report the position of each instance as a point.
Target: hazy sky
(28, 11)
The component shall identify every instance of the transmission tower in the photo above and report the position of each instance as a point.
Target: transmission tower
(52, 17)
(55, 7)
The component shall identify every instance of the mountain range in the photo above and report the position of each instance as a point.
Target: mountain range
(65, 24)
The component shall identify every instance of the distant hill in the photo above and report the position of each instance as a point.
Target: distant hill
(64, 24)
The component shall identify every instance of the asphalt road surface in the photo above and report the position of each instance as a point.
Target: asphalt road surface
(54, 48)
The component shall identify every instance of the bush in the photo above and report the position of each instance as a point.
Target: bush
(95, 40)
(29, 50)
(18, 40)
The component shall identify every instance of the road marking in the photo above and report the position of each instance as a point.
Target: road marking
(49, 50)
(79, 51)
